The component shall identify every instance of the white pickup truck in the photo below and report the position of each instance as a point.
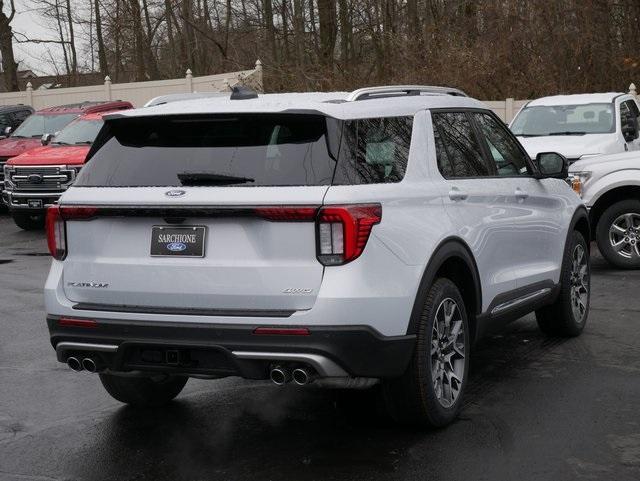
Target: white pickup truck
(610, 187)
(579, 126)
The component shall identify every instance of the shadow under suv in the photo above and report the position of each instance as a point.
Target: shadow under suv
(349, 240)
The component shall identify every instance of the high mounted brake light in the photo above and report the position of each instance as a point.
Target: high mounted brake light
(343, 231)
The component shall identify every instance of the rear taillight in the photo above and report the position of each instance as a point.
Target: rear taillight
(343, 231)
(56, 236)
(56, 228)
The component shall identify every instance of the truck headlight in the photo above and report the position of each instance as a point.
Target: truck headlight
(7, 175)
(578, 180)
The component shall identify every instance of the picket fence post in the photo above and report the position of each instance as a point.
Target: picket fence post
(107, 87)
(29, 94)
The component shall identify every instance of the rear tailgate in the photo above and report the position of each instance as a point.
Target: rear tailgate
(249, 261)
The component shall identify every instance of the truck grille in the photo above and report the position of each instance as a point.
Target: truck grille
(41, 178)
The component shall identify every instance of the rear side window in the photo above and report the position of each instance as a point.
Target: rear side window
(457, 148)
(374, 151)
(218, 150)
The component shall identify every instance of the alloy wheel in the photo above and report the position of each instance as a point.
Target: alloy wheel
(579, 283)
(624, 235)
(447, 352)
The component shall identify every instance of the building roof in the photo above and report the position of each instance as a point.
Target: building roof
(332, 104)
(576, 99)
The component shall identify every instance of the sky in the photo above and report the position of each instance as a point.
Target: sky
(33, 56)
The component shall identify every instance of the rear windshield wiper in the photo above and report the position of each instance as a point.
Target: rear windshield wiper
(60, 143)
(211, 178)
(567, 133)
(83, 142)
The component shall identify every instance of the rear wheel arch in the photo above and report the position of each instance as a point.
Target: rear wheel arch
(452, 259)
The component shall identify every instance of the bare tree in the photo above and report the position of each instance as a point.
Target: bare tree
(9, 65)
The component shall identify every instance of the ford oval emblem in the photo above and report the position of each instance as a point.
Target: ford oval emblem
(175, 193)
(35, 178)
(176, 246)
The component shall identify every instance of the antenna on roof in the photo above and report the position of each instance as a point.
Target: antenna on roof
(240, 92)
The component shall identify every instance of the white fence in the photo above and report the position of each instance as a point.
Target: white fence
(138, 93)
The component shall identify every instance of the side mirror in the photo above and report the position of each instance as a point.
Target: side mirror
(552, 165)
(7, 131)
(629, 128)
(46, 139)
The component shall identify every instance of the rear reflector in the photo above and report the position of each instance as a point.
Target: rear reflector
(281, 331)
(71, 322)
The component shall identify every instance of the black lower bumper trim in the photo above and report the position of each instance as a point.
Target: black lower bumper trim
(207, 348)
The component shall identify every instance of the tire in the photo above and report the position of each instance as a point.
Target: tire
(416, 398)
(620, 225)
(568, 315)
(28, 222)
(143, 391)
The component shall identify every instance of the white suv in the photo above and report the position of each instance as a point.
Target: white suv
(346, 239)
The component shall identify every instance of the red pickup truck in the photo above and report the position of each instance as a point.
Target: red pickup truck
(35, 179)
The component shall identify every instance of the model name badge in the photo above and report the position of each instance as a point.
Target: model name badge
(96, 285)
(297, 290)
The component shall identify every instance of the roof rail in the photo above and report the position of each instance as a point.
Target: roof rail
(396, 90)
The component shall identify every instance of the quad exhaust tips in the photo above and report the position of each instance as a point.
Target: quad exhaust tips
(88, 364)
(74, 364)
(281, 375)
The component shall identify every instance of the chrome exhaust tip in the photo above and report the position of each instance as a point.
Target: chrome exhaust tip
(89, 364)
(301, 376)
(74, 364)
(280, 375)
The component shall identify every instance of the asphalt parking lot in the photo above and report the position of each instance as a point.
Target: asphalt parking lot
(536, 408)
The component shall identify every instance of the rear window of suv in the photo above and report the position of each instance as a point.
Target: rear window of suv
(248, 150)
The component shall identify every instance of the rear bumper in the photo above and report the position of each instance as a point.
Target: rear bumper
(227, 350)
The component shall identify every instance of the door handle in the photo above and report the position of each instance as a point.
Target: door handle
(521, 194)
(457, 194)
